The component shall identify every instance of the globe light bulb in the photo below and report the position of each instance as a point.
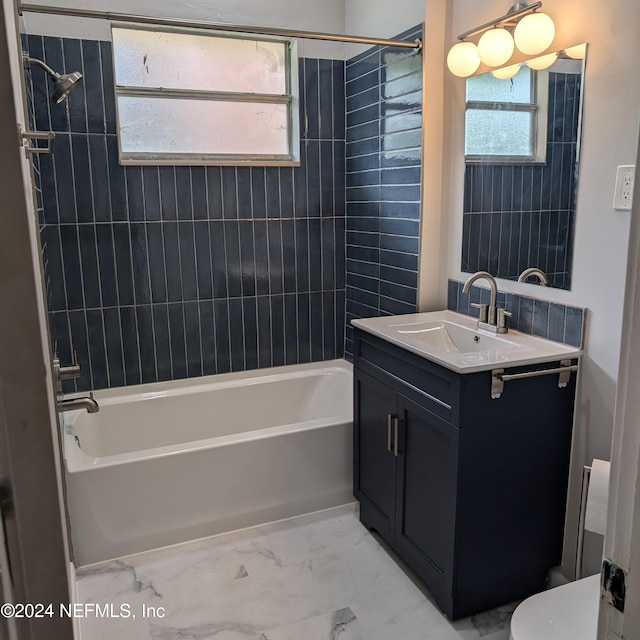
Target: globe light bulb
(534, 33)
(578, 52)
(495, 47)
(506, 72)
(538, 64)
(463, 59)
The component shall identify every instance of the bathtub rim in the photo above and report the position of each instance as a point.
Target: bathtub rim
(77, 461)
(112, 395)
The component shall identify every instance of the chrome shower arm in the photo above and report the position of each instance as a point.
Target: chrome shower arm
(63, 84)
(29, 61)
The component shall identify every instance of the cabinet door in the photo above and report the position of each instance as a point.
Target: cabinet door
(374, 461)
(426, 486)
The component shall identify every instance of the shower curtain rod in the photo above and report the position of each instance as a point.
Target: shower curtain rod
(198, 24)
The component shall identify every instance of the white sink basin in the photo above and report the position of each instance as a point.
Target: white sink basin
(453, 338)
(454, 341)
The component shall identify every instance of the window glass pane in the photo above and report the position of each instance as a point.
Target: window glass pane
(192, 61)
(175, 126)
(498, 133)
(486, 88)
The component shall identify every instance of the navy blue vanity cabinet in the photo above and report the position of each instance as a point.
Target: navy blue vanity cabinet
(377, 403)
(469, 491)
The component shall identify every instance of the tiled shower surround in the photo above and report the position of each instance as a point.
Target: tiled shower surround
(156, 273)
(384, 151)
(519, 216)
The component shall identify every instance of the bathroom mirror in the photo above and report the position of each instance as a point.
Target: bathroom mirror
(522, 143)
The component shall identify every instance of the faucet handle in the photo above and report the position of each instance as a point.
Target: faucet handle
(484, 311)
(70, 372)
(503, 314)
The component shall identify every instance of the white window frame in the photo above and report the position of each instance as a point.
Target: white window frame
(290, 99)
(538, 107)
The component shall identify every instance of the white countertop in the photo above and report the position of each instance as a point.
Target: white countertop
(453, 340)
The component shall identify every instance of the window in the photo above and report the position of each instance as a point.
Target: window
(201, 97)
(506, 120)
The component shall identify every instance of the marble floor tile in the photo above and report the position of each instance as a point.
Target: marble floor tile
(498, 635)
(488, 625)
(316, 577)
(341, 624)
(124, 629)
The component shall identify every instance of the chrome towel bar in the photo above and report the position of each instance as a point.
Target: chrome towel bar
(499, 377)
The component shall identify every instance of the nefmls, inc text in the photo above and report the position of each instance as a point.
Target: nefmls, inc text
(109, 610)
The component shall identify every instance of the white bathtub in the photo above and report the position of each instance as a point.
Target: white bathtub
(169, 462)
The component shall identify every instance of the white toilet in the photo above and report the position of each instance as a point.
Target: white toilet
(569, 612)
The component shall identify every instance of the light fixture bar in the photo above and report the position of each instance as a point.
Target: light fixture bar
(505, 19)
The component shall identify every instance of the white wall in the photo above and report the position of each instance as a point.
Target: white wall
(609, 138)
(380, 19)
(326, 16)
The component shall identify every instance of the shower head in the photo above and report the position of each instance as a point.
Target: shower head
(62, 84)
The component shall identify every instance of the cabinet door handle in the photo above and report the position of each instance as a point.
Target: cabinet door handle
(389, 423)
(396, 429)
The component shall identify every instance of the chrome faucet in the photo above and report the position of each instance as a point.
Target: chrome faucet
(491, 318)
(87, 403)
(534, 271)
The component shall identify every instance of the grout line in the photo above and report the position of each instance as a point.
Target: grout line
(229, 335)
(119, 222)
(84, 90)
(85, 324)
(148, 271)
(47, 102)
(102, 91)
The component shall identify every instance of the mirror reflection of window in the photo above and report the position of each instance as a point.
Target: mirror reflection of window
(519, 212)
(506, 119)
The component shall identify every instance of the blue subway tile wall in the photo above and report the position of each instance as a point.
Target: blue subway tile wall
(156, 273)
(383, 173)
(519, 216)
(558, 322)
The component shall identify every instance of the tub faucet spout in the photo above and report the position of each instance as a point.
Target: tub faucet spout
(87, 403)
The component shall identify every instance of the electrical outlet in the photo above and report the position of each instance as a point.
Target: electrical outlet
(625, 177)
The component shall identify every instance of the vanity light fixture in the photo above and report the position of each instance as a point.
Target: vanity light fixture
(522, 28)
(578, 52)
(542, 62)
(463, 59)
(495, 46)
(506, 72)
(534, 33)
